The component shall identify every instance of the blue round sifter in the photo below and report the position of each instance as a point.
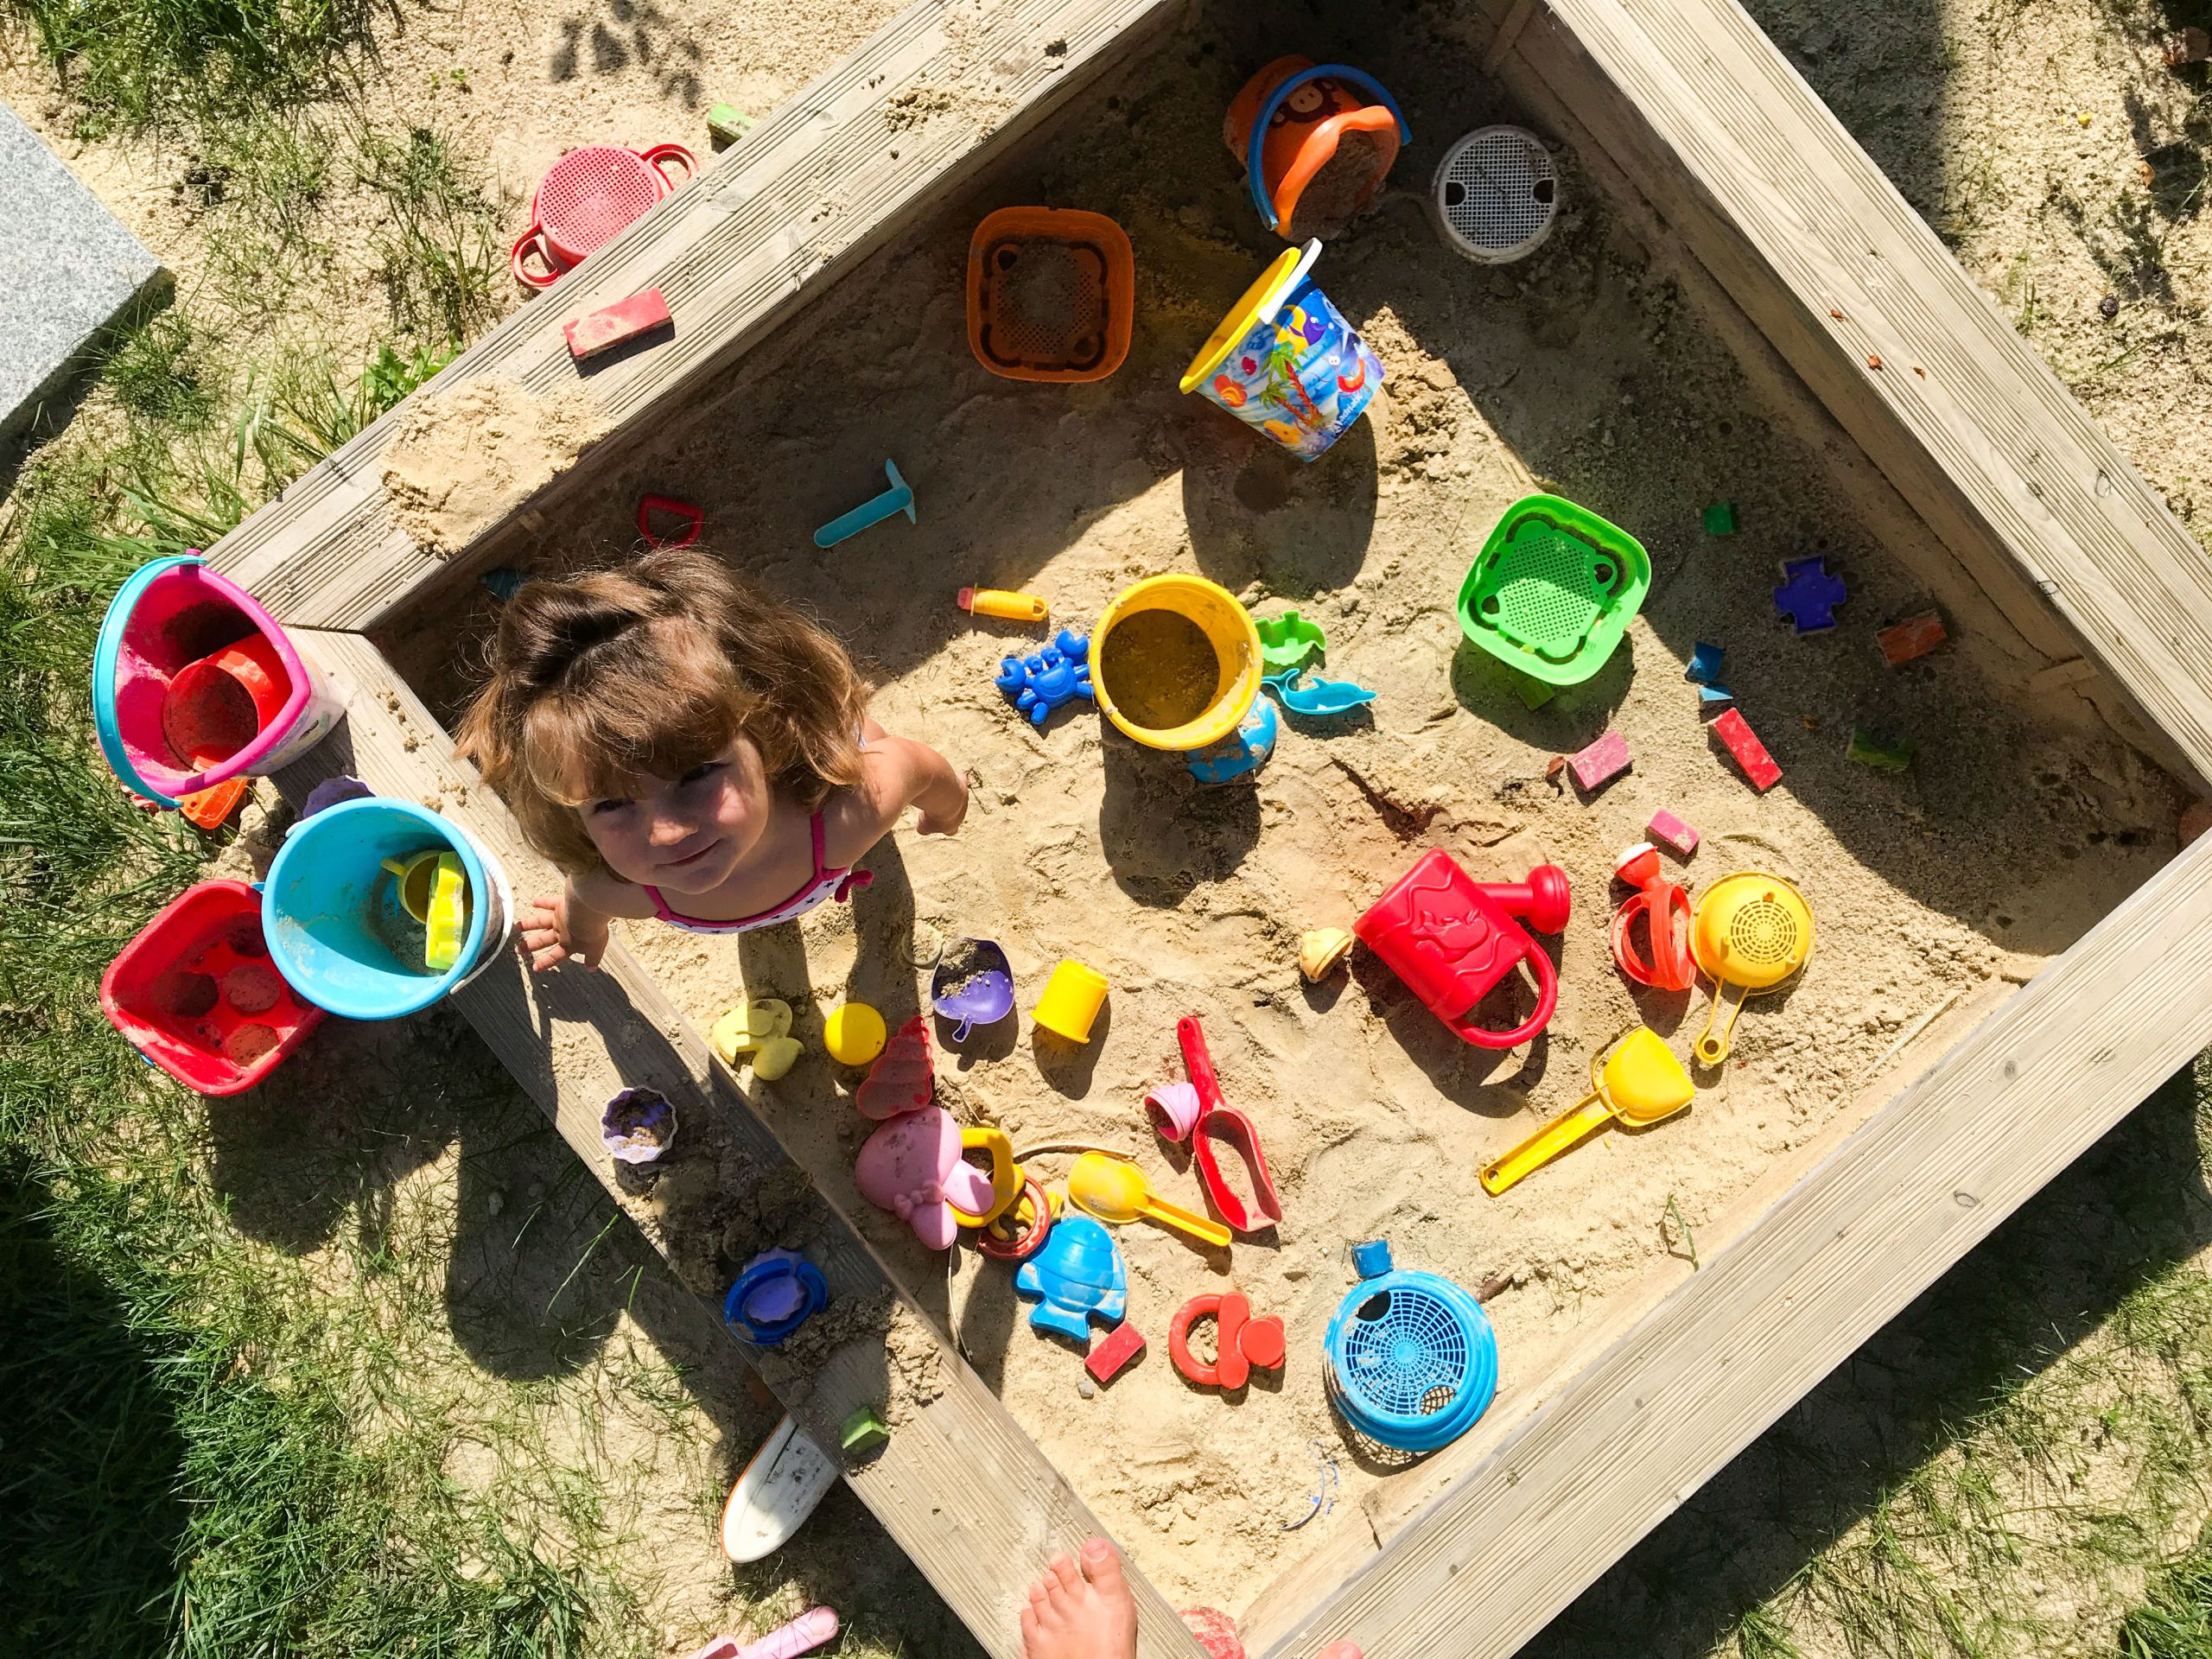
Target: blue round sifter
(1412, 1360)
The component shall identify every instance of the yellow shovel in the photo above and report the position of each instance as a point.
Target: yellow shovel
(1642, 1083)
(1113, 1190)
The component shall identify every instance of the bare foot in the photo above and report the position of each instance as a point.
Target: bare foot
(1081, 1611)
(1340, 1650)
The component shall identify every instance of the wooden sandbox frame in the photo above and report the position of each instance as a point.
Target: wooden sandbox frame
(1849, 313)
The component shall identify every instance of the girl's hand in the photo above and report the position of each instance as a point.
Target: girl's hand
(559, 929)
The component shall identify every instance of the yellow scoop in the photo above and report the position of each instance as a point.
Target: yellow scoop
(1751, 932)
(1113, 1190)
(1642, 1083)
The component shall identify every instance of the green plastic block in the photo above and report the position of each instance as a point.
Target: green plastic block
(1884, 754)
(1721, 519)
(726, 124)
(863, 1431)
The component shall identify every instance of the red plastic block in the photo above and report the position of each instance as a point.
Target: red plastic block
(1914, 637)
(1123, 1343)
(1751, 754)
(1602, 762)
(613, 325)
(1672, 833)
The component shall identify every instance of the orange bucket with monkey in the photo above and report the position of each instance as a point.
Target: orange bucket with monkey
(1315, 140)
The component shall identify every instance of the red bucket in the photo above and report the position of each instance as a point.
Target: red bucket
(197, 994)
(1452, 938)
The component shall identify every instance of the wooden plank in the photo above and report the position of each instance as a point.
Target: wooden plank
(961, 1487)
(1688, 99)
(800, 202)
(1743, 1339)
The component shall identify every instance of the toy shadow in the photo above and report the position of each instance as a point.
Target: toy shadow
(1163, 832)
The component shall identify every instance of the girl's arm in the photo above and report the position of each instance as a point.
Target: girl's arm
(899, 773)
(572, 926)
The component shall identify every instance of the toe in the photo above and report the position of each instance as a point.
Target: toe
(1066, 1574)
(1031, 1634)
(1340, 1650)
(1103, 1567)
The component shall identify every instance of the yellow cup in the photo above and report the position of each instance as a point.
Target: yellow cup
(1072, 998)
(1187, 667)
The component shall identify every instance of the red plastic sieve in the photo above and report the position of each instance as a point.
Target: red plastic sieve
(589, 197)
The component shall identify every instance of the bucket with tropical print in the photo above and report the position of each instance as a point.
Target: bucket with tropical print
(1286, 361)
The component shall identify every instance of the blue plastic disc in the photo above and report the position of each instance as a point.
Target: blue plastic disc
(1413, 1361)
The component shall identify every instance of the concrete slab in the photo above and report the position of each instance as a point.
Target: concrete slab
(68, 270)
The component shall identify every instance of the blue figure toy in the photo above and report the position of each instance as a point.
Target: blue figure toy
(1317, 695)
(1079, 1274)
(1242, 752)
(1059, 673)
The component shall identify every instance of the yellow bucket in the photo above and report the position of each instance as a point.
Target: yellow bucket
(1175, 662)
(1072, 998)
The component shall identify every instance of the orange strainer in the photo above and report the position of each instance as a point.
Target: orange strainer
(1051, 294)
(1751, 933)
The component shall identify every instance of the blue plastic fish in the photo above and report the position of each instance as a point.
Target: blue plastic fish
(1318, 696)
(1080, 1276)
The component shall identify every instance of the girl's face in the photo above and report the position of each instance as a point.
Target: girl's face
(687, 834)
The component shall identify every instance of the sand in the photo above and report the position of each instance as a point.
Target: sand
(2022, 820)
(460, 460)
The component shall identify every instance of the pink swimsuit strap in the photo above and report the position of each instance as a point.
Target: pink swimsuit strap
(824, 884)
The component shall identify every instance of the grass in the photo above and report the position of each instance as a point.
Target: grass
(134, 61)
(238, 1373)
(441, 253)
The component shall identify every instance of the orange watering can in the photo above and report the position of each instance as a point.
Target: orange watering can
(1287, 122)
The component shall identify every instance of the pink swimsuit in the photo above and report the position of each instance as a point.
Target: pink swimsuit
(824, 885)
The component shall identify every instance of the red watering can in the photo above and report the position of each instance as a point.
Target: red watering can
(1451, 938)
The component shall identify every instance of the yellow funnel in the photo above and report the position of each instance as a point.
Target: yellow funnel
(1751, 932)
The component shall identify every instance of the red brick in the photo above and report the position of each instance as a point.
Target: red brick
(1602, 762)
(1672, 833)
(1123, 1343)
(613, 325)
(1751, 754)
(1914, 637)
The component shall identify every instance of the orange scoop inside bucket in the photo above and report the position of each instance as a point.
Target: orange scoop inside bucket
(216, 706)
(1320, 135)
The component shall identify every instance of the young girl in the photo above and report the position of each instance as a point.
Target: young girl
(686, 748)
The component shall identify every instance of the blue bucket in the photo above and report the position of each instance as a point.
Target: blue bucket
(336, 927)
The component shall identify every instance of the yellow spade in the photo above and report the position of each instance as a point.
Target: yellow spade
(1642, 1083)
(1751, 932)
(1111, 1190)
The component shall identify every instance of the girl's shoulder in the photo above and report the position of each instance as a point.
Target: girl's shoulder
(856, 815)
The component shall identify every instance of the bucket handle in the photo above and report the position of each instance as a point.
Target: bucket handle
(1547, 1000)
(532, 241)
(1358, 80)
(660, 153)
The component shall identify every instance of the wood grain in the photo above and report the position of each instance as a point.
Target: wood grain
(767, 230)
(1691, 100)
(961, 1487)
